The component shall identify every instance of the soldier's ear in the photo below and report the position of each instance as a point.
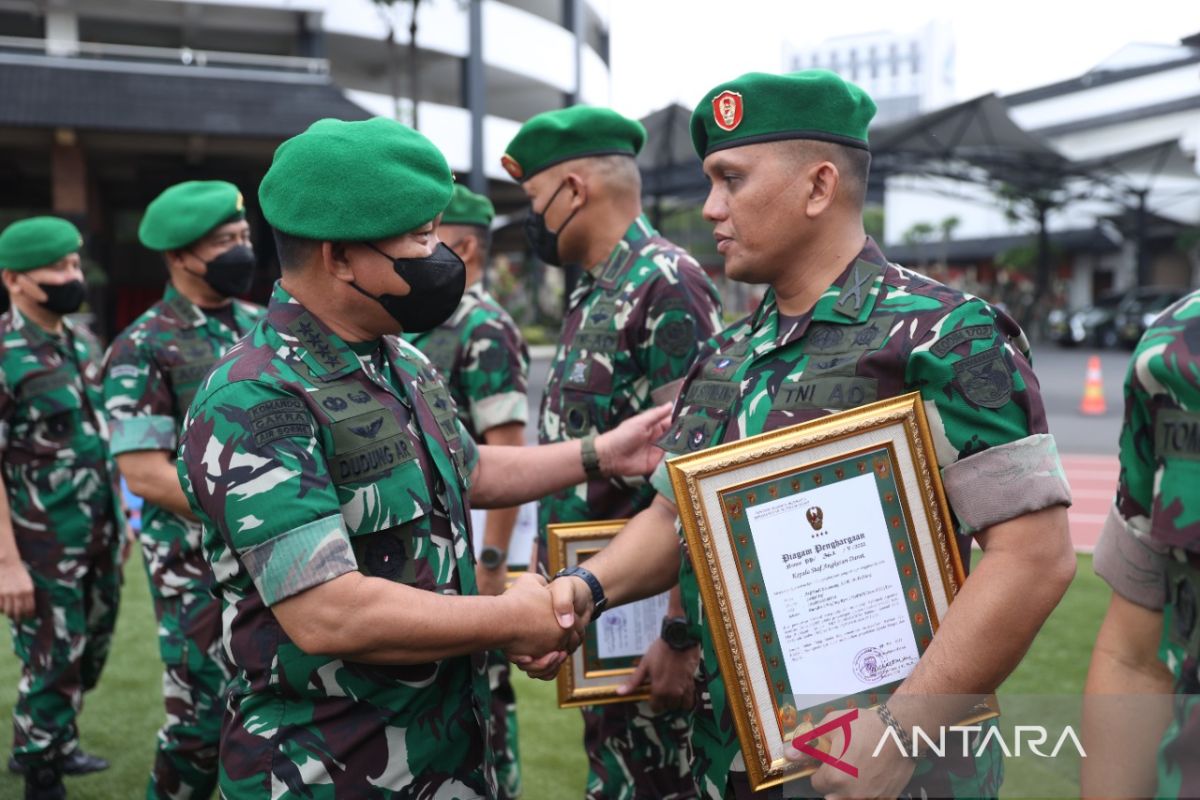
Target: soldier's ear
(9, 278)
(335, 259)
(579, 189)
(823, 182)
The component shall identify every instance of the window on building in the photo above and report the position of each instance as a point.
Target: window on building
(853, 65)
(873, 61)
(25, 24)
(914, 55)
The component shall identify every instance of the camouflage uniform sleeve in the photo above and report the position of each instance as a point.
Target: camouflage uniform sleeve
(6, 410)
(495, 374)
(682, 310)
(660, 479)
(1126, 556)
(138, 400)
(985, 411)
(254, 471)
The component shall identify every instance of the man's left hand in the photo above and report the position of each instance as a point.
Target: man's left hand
(671, 675)
(630, 449)
(881, 776)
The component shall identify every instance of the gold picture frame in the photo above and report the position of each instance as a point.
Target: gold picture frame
(785, 472)
(613, 645)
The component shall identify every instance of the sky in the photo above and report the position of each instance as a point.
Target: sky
(676, 50)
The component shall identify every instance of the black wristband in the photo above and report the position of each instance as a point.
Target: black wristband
(885, 714)
(599, 601)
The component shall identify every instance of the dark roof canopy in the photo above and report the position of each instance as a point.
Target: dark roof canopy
(1079, 240)
(100, 98)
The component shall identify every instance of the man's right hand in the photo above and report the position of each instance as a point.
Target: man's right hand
(16, 591)
(540, 638)
(571, 600)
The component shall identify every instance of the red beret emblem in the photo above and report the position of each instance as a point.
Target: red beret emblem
(511, 166)
(727, 110)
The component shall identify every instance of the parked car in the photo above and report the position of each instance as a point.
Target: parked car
(1139, 309)
(1090, 325)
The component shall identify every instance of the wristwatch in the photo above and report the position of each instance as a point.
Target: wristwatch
(676, 634)
(492, 557)
(599, 601)
(591, 459)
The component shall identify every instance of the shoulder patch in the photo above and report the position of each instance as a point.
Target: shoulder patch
(279, 419)
(984, 378)
(953, 339)
(677, 337)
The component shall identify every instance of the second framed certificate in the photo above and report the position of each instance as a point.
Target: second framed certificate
(613, 644)
(826, 557)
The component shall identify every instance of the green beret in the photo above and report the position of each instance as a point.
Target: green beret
(37, 242)
(468, 208)
(761, 107)
(553, 137)
(186, 212)
(355, 181)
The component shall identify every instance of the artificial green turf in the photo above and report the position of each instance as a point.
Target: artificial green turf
(120, 718)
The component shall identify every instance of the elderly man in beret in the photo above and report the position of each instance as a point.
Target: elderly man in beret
(633, 327)
(152, 372)
(326, 460)
(60, 524)
(483, 359)
(840, 326)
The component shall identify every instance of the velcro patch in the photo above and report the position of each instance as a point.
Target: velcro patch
(712, 394)
(984, 378)
(827, 392)
(1177, 434)
(953, 339)
(280, 419)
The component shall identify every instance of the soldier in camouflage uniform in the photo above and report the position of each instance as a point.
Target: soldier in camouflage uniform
(60, 534)
(325, 458)
(1149, 552)
(632, 328)
(151, 374)
(483, 359)
(840, 327)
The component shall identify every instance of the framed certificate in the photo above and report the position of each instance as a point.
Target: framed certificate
(613, 644)
(825, 555)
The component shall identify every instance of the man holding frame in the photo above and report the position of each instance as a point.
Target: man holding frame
(788, 159)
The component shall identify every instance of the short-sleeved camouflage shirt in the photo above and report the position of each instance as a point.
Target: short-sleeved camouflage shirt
(482, 357)
(1149, 550)
(634, 325)
(306, 459)
(57, 469)
(879, 331)
(151, 373)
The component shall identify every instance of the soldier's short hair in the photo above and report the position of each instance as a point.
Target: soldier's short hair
(619, 174)
(293, 251)
(853, 164)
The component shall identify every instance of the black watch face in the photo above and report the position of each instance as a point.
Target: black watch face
(675, 634)
(490, 557)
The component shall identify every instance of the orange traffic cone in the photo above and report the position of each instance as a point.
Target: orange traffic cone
(1093, 390)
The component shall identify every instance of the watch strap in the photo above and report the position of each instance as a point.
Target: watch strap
(599, 601)
(591, 459)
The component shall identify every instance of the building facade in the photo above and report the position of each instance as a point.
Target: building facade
(107, 102)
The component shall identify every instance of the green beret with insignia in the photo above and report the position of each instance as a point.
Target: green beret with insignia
(553, 137)
(37, 242)
(187, 212)
(355, 181)
(468, 208)
(762, 107)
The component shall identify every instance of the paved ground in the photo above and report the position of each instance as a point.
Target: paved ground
(1088, 444)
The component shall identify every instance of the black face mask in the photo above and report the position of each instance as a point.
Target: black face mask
(543, 240)
(436, 283)
(63, 298)
(231, 273)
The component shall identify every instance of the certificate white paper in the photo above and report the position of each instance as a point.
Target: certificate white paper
(834, 590)
(626, 631)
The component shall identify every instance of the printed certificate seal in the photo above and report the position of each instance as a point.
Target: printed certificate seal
(868, 665)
